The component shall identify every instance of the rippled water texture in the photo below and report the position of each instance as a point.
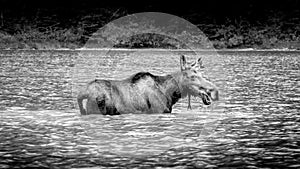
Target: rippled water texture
(254, 125)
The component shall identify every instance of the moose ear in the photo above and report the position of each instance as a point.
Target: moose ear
(199, 63)
(182, 62)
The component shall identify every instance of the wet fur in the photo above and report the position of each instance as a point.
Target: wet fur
(144, 92)
(140, 93)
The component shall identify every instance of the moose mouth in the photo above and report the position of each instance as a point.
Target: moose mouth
(205, 98)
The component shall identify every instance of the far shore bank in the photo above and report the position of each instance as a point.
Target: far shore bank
(157, 49)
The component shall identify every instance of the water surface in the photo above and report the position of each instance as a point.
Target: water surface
(254, 125)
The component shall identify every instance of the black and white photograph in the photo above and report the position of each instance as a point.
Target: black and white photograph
(92, 84)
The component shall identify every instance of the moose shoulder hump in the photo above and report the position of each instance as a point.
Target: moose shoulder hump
(142, 75)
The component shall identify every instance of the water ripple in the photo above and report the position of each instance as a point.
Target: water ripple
(255, 125)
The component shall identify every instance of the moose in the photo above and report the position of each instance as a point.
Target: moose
(146, 93)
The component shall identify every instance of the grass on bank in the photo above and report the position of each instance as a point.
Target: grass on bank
(230, 37)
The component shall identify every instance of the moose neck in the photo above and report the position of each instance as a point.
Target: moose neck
(172, 88)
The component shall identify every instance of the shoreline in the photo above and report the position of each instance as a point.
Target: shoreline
(160, 49)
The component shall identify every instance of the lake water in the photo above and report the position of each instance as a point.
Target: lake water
(254, 125)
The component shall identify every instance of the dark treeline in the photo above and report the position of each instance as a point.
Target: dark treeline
(228, 24)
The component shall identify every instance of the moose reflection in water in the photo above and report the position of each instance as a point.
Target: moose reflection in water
(144, 92)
